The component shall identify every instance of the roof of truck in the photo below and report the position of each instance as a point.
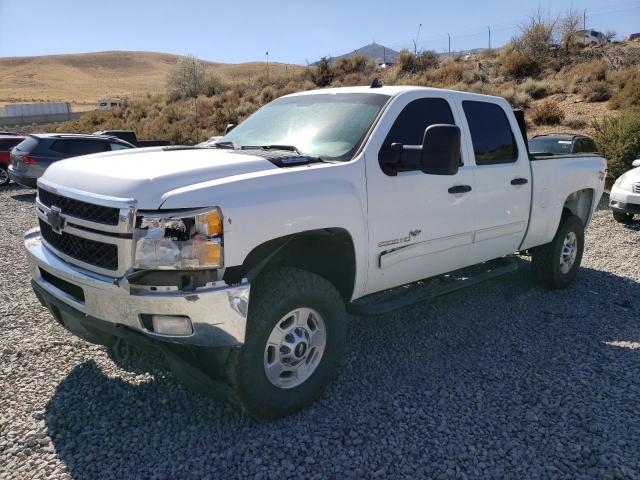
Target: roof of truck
(391, 90)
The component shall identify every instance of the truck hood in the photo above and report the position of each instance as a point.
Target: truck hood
(146, 174)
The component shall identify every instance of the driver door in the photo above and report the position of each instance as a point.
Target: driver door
(420, 225)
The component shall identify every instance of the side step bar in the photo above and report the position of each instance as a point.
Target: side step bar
(424, 290)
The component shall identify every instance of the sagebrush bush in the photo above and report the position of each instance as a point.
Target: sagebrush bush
(516, 97)
(357, 63)
(628, 96)
(517, 65)
(407, 62)
(618, 140)
(547, 113)
(597, 91)
(537, 89)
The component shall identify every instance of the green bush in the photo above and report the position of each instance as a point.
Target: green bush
(618, 139)
(357, 63)
(547, 113)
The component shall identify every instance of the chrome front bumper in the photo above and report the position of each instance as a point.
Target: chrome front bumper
(218, 313)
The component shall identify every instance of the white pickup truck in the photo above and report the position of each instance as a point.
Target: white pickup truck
(240, 262)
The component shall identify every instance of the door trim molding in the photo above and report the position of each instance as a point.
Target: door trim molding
(408, 252)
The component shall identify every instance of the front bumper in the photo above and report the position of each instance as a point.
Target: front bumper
(30, 182)
(218, 313)
(624, 201)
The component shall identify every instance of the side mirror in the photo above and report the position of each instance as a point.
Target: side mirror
(440, 150)
(230, 127)
(636, 163)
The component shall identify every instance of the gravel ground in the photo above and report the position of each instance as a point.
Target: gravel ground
(504, 380)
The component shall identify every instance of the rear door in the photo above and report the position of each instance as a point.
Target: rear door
(417, 228)
(502, 177)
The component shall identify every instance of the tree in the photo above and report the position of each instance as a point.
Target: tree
(322, 76)
(569, 24)
(187, 77)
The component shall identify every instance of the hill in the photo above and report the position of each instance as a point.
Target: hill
(81, 79)
(378, 53)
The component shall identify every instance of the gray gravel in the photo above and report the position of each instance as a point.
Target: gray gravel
(505, 380)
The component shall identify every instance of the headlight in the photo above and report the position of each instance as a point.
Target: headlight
(179, 240)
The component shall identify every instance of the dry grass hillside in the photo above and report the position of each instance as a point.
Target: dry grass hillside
(83, 78)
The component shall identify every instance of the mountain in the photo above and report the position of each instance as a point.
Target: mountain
(82, 78)
(379, 53)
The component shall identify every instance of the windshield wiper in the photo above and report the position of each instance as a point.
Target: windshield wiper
(224, 144)
(291, 148)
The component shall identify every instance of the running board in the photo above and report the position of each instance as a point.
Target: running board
(425, 290)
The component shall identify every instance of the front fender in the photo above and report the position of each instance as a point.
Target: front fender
(262, 206)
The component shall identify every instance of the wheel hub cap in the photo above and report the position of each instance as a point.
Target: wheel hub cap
(294, 348)
(569, 252)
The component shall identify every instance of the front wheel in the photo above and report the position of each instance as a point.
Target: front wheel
(4, 176)
(295, 336)
(622, 217)
(556, 264)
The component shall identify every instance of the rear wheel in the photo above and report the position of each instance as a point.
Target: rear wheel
(622, 217)
(4, 176)
(295, 336)
(556, 264)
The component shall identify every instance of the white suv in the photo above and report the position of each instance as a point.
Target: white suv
(624, 199)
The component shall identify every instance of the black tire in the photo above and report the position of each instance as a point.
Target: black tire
(4, 177)
(545, 260)
(622, 217)
(273, 295)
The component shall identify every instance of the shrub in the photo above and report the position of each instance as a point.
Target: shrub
(628, 96)
(575, 123)
(516, 64)
(618, 139)
(357, 63)
(322, 74)
(407, 62)
(597, 91)
(547, 113)
(451, 72)
(537, 89)
(517, 98)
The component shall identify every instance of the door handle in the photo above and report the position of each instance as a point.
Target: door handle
(519, 181)
(460, 189)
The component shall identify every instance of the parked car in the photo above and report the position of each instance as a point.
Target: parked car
(7, 142)
(31, 157)
(561, 144)
(131, 137)
(624, 199)
(239, 262)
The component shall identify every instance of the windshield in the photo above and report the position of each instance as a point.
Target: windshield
(554, 145)
(330, 126)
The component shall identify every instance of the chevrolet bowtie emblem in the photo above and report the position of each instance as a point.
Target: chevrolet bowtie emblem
(55, 219)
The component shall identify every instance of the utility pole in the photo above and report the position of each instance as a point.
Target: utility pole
(415, 42)
(489, 28)
(267, 66)
(584, 19)
(448, 35)
(307, 63)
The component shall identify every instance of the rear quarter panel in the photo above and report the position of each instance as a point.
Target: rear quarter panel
(554, 180)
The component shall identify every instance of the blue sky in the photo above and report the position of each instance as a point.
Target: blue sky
(292, 31)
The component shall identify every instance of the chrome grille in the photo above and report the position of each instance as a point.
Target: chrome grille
(103, 255)
(636, 187)
(88, 230)
(80, 209)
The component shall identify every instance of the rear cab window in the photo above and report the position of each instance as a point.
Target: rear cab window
(491, 134)
(119, 146)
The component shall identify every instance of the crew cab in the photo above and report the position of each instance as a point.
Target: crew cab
(239, 262)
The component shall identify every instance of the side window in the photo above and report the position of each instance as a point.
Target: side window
(119, 146)
(589, 146)
(409, 128)
(491, 134)
(85, 147)
(60, 146)
(579, 146)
